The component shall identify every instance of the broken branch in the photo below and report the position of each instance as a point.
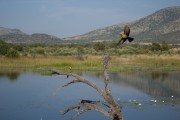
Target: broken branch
(113, 109)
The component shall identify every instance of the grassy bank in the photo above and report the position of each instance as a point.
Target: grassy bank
(144, 62)
(117, 63)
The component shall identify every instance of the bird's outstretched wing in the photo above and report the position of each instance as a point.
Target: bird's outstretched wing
(126, 30)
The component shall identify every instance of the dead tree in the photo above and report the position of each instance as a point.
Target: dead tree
(109, 108)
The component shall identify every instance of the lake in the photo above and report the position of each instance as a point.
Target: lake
(142, 95)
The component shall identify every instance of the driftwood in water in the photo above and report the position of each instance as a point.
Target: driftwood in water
(110, 108)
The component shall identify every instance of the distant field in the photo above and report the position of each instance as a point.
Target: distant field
(89, 62)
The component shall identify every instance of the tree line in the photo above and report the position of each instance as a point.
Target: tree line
(96, 48)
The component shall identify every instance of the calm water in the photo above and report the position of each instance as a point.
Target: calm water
(31, 96)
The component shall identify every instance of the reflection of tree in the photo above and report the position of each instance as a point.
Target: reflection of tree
(156, 75)
(144, 82)
(11, 75)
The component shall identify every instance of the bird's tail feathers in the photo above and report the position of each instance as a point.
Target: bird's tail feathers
(130, 39)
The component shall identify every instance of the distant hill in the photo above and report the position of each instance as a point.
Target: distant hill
(163, 25)
(17, 36)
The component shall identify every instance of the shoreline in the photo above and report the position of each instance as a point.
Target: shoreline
(93, 63)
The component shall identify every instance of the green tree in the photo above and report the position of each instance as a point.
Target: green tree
(12, 53)
(155, 47)
(80, 52)
(4, 47)
(18, 47)
(164, 46)
(99, 46)
(40, 50)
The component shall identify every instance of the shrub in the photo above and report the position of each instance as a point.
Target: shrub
(18, 47)
(155, 47)
(40, 50)
(3, 49)
(99, 46)
(164, 46)
(12, 53)
(80, 52)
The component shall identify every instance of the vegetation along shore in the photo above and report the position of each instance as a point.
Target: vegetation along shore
(132, 57)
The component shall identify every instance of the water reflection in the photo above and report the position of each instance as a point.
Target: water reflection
(35, 96)
(156, 75)
(152, 83)
(11, 75)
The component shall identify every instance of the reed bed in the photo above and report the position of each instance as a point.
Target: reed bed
(117, 63)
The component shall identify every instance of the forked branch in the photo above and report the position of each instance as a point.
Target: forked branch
(80, 79)
(87, 107)
(110, 109)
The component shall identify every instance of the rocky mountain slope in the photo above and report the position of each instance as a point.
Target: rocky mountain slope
(163, 25)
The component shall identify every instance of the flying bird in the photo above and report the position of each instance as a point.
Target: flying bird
(125, 36)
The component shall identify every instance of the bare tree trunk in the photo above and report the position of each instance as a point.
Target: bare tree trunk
(111, 107)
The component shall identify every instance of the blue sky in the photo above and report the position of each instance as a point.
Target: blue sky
(65, 18)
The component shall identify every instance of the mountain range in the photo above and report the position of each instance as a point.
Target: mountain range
(163, 25)
(17, 36)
